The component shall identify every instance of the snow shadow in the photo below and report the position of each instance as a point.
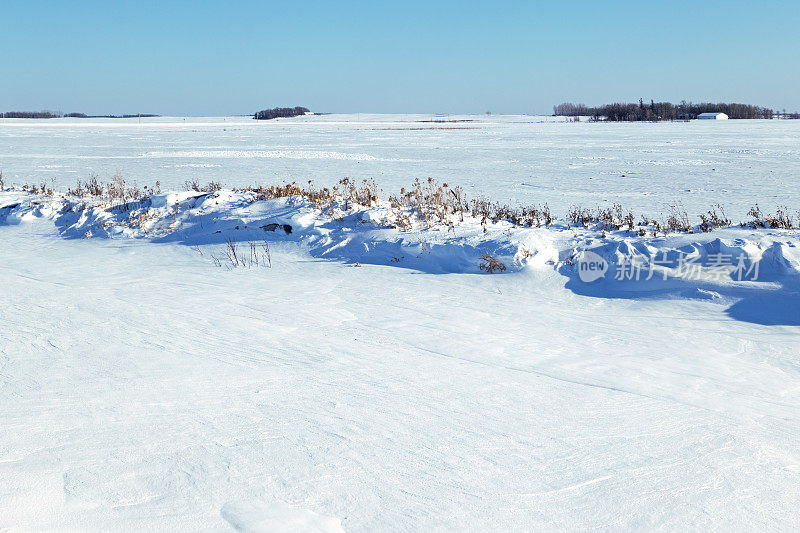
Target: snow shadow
(349, 241)
(765, 291)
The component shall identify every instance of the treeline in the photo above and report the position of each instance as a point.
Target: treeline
(277, 112)
(50, 114)
(30, 114)
(84, 115)
(655, 111)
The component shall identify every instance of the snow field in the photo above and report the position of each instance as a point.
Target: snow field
(147, 388)
(372, 376)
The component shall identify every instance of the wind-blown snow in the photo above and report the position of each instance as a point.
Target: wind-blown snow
(518, 159)
(146, 388)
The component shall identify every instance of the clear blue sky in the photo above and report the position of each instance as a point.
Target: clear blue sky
(235, 57)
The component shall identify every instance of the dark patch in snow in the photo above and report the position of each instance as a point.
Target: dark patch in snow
(273, 227)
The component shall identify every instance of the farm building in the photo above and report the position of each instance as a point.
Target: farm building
(712, 116)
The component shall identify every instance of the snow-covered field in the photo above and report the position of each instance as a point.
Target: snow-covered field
(508, 158)
(367, 377)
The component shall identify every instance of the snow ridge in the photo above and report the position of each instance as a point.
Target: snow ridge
(357, 235)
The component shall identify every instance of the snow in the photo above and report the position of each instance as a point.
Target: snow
(519, 159)
(278, 517)
(377, 379)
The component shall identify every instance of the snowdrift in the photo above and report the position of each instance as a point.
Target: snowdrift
(754, 271)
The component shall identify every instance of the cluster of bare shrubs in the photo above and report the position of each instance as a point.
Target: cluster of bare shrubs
(366, 194)
(714, 218)
(233, 256)
(519, 216)
(116, 194)
(615, 218)
(490, 263)
(611, 218)
(41, 189)
(782, 219)
(346, 193)
(439, 204)
(430, 202)
(194, 185)
(677, 221)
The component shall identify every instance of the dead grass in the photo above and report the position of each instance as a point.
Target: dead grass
(426, 204)
(41, 189)
(781, 220)
(490, 264)
(346, 193)
(714, 218)
(116, 194)
(195, 186)
(610, 218)
(677, 220)
(234, 256)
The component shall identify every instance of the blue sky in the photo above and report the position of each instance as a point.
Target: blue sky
(214, 57)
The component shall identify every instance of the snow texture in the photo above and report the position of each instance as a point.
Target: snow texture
(377, 379)
(517, 159)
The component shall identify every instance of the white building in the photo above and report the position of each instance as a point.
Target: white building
(712, 116)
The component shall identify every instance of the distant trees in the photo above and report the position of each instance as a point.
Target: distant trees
(655, 111)
(84, 115)
(50, 114)
(568, 109)
(277, 112)
(30, 114)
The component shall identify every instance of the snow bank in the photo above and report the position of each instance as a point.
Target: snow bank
(351, 234)
(728, 264)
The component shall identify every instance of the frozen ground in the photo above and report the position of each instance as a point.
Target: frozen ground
(524, 159)
(144, 387)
